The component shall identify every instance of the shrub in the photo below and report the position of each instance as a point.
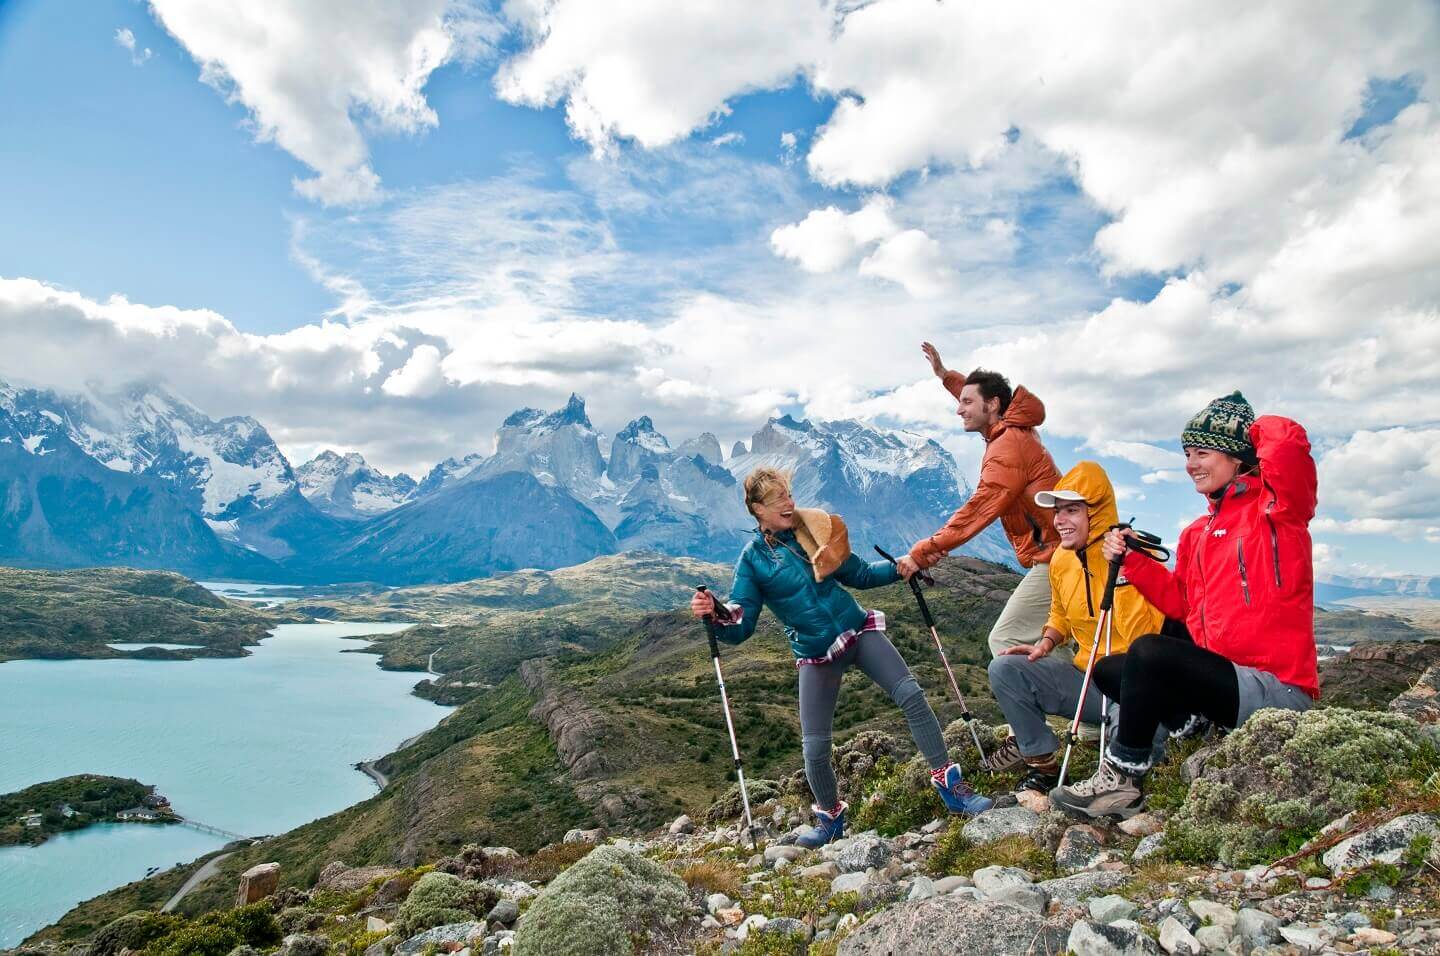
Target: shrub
(216, 934)
(618, 897)
(441, 898)
(132, 931)
(1276, 781)
(894, 798)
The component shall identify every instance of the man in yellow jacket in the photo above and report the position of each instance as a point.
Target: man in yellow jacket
(1028, 680)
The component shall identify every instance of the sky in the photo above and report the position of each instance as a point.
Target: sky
(382, 227)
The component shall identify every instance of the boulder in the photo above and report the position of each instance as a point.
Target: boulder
(347, 879)
(989, 880)
(505, 912)
(616, 895)
(862, 853)
(1107, 909)
(948, 925)
(849, 882)
(1176, 939)
(1081, 848)
(1071, 890)
(467, 933)
(1025, 897)
(1088, 938)
(682, 824)
(1001, 822)
(1286, 772)
(1386, 843)
(257, 883)
(584, 836)
(1215, 914)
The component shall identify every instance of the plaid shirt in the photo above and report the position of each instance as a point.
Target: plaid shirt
(874, 621)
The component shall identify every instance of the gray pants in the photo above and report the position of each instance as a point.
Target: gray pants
(1024, 616)
(1260, 689)
(820, 690)
(1028, 690)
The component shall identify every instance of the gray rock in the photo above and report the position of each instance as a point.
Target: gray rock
(510, 889)
(301, 945)
(1001, 822)
(257, 883)
(450, 933)
(1384, 844)
(1071, 890)
(1214, 937)
(501, 942)
(946, 925)
(379, 947)
(1088, 938)
(922, 888)
(863, 853)
(717, 901)
(949, 884)
(1175, 938)
(876, 895)
(849, 883)
(585, 836)
(1107, 909)
(1080, 849)
(1147, 847)
(774, 854)
(1308, 939)
(682, 824)
(505, 912)
(1257, 927)
(1215, 914)
(821, 871)
(991, 879)
(1353, 921)
(785, 926)
(1025, 897)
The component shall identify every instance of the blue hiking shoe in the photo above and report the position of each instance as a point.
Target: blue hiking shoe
(958, 796)
(827, 829)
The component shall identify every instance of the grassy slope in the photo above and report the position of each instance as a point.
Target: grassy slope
(490, 774)
(70, 614)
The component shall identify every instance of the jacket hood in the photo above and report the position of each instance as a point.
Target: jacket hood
(1024, 411)
(1089, 479)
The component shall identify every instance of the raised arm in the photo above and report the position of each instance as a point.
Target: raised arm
(1286, 466)
(855, 573)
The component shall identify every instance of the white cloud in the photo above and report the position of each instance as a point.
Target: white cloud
(420, 377)
(1387, 481)
(1140, 453)
(126, 38)
(912, 259)
(310, 72)
(828, 238)
(728, 139)
(651, 71)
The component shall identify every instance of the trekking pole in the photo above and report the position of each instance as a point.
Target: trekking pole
(1147, 544)
(929, 619)
(729, 721)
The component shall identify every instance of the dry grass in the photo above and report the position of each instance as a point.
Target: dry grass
(710, 876)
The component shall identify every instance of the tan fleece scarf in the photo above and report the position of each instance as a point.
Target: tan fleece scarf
(824, 538)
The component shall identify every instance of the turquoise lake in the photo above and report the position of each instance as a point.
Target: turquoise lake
(256, 745)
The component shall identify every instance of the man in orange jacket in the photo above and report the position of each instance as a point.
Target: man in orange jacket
(1015, 467)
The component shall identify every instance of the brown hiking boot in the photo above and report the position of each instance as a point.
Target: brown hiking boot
(1109, 793)
(1007, 757)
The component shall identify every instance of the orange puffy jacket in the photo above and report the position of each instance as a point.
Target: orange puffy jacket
(1014, 468)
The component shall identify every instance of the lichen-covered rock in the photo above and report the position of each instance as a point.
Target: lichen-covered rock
(1421, 703)
(1070, 890)
(863, 852)
(1089, 938)
(996, 824)
(347, 879)
(1386, 843)
(438, 936)
(615, 895)
(298, 944)
(1286, 773)
(440, 899)
(950, 924)
(1081, 848)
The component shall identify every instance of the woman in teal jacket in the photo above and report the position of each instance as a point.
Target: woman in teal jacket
(799, 577)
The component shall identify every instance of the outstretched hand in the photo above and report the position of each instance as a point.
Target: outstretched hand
(1032, 652)
(932, 355)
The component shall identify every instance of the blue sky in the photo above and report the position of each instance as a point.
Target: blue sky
(709, 216)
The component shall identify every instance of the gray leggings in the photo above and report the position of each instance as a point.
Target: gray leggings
(820, 689)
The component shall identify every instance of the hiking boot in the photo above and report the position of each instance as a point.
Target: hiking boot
(1039, 780)
(1007, 756)
(829, 827)
(1195, 725)
(1109, 793)
(958, 796)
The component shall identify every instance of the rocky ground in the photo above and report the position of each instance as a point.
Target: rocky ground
(1298, 834)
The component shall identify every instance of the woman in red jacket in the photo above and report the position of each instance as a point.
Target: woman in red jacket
(1244, 586)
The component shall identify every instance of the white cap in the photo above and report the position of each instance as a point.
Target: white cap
(1052, 499)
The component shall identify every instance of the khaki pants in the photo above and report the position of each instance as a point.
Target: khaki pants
(1025, 613)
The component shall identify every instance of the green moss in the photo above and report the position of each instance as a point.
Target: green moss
(619, 897)
(956, 856)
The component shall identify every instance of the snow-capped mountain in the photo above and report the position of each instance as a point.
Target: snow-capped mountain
(347, 487)
(229, 471)
(447, 473)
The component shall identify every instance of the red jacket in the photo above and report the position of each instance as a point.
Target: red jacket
(1243, 580)
(1014, 467)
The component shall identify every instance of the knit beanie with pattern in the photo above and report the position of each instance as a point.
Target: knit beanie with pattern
(1223, 425)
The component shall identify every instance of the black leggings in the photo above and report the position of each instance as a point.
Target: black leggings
(1164, 679)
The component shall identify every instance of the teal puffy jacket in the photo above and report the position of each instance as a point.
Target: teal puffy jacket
(813, 614)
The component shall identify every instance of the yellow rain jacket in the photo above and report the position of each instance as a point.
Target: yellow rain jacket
(1077, 578)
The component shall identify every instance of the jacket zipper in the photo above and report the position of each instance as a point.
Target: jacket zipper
(1085, 569)
(1240, 558)
(1274, 542)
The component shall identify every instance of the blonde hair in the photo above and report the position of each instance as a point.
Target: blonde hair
(762, 483)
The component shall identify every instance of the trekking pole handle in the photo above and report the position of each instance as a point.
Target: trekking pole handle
(914, 582)
(709, 620)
